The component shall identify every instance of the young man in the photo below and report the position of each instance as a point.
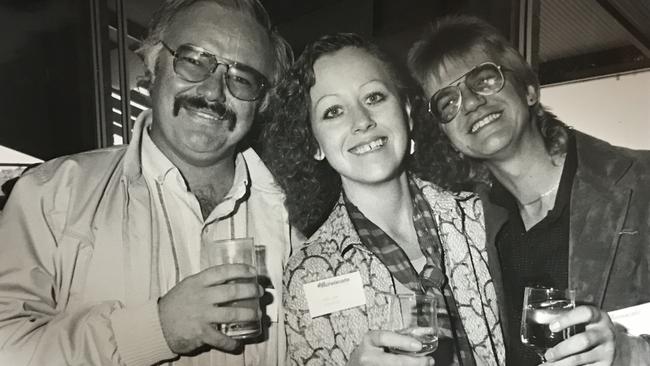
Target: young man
(101, 251)
(564, 209)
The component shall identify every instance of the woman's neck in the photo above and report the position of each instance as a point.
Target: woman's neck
(387, 204)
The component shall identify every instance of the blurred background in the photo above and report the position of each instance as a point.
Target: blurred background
(69, 76)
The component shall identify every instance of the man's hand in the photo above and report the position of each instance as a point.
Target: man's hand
(190, 310)
(371, 350)
(595, 346)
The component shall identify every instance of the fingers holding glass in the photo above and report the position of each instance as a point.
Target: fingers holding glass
(414, 316)
(541, 307)
(371, 350)
(217, 253)
(597, 344)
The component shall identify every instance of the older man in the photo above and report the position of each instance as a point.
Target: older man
(101, 251)
(564, 210)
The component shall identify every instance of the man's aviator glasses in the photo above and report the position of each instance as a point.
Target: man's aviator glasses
(195, 64)
(484, 79)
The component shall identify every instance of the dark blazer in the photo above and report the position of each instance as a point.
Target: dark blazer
(609, 241)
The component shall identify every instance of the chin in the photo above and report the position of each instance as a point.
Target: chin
(494, 144)
(377, 176)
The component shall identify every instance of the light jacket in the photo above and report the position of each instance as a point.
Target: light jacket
(335, 249)
(76, 261)
(609, 239)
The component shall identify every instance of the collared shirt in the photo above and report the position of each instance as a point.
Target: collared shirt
(539, 256)
(177, 208)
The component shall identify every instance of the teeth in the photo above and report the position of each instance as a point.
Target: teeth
(371, 146)
(206, 115)
(484, 121)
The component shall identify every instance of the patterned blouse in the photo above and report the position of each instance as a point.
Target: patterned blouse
(336, 249)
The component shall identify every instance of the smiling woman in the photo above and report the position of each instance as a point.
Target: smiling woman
(358, 119)
(300, 113)
(353, 187)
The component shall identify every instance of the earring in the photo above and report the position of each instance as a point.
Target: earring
(319, 155)
(412, 148)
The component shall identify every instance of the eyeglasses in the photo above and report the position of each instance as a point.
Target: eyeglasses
(195, 64)
(484, 79)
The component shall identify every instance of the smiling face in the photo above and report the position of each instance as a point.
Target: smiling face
(184, 127)
(491, 126)
(357, 117)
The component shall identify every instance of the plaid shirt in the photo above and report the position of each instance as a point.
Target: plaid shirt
(431, 279)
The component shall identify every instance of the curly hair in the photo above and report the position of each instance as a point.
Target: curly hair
(312, 187)
(165, 15)
(452, 38)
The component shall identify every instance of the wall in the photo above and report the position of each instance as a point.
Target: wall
(615, 109)
(47, 97)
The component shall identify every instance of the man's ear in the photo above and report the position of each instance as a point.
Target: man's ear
(150, 58)
(532, 95)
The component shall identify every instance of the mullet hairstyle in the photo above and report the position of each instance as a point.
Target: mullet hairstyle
(164, 17)
(449, 39)
(312, 187)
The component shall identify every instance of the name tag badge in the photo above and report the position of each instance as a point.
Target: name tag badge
(636, 319)
(334, 294)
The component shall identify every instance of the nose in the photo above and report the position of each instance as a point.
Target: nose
(471, 100)
(363, 121)
(212, 88)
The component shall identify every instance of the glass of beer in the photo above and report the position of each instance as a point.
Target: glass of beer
(542, 305)
(414, 315)
(234, 251)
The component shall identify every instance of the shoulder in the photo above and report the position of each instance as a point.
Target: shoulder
(602, 158)
(323, 253)
(82, 166)
(261, 178)
(325, 244)
(595, 146)
(443, 201)
(66, 186)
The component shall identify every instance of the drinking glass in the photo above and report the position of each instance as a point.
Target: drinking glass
(415, 316)
(542, 305)
(234, 251)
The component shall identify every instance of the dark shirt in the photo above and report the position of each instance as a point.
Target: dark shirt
(539, 256)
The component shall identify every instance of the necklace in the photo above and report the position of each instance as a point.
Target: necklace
(541, 196)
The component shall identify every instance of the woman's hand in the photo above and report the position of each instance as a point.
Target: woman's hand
(595, 346)
(371, 350)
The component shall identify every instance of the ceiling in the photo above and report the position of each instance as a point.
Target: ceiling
(577, 38)
(591, 38)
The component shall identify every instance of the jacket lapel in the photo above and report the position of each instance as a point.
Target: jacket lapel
(460, 220)
(599, 205)
(138, 226)
(339, 229)
(495, 217)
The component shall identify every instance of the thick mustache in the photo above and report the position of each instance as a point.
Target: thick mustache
(197, 103)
